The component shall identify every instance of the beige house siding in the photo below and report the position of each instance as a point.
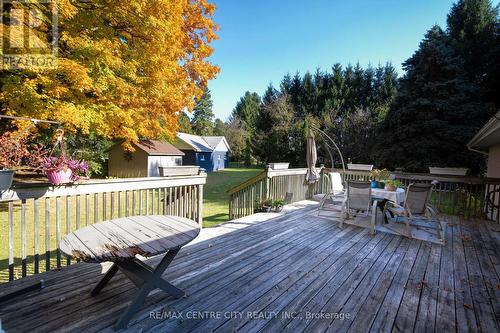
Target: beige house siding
(120, 167)
(494, 161)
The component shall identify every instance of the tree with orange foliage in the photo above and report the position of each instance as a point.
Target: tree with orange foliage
(125, 69)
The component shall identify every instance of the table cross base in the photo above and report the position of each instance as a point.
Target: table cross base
(145, 278)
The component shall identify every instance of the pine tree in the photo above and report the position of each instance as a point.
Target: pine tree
(286, 84)
(184, 123)
(203, 115)
(247, 109)
(308, 96)
(436, 113)
(474, 28)
(295, 95)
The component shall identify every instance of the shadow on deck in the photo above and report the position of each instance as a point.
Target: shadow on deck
(293, 272)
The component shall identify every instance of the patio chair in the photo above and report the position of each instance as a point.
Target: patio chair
(335, 195)
(359, 208)
(416, 212)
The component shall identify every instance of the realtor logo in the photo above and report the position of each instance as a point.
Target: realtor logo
(29, 34)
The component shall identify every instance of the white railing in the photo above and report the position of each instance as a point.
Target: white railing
(34, 217)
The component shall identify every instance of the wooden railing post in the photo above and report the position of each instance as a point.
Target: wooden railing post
(200, 205)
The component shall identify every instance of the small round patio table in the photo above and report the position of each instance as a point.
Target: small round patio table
(121, 240)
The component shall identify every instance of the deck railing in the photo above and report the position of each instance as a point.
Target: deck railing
(270, 184)
(34, 217)
(454, 195)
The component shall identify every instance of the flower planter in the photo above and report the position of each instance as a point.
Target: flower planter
(59, 177)
(380, 185)
(373, 184)
(6, 177)
(278, 209)
(279, 166)
(184, 170)
(360, 167)
(448, 171)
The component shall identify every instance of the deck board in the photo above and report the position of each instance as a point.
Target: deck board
(287, 267)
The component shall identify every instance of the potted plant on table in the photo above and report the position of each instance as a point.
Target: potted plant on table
(378, 176)
(392, 185)
(278, 205)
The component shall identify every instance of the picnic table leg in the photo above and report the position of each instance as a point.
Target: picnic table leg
(109, 274)
(151, 280)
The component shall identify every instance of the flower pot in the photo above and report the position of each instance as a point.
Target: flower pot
(381, 185)
(59, 177)
(6, 177)
(278, 209)
(373, 184)
(267, 209)
(390, 187)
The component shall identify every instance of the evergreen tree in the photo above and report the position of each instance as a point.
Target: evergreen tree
(203, 115)
(286, 84)
(473, 26)
(295, 95)
(247, 109)
(436, 112)
(220, 128)
(184, 123)
(308, 96)
(336, 94)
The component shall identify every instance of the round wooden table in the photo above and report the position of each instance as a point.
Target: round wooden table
(121, 240)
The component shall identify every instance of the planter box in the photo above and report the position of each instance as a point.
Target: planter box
(6, 177)
(184, 170)
(448, 171)
(279, 166)
(360, 167)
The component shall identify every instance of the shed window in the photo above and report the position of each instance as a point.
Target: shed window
(218, 157)
(202, 157)
(178, 161)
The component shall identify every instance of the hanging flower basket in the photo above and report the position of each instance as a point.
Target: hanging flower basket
(59, 177)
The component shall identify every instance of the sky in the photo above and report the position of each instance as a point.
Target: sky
(262, 40)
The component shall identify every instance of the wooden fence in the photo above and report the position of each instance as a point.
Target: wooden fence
(34, 218)
(455, 195)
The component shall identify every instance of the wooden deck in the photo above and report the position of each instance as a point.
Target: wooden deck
(294, 272)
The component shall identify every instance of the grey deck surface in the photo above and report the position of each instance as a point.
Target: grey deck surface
(291, 273)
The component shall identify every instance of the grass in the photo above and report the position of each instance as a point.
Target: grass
(215, 211)
(216, 200)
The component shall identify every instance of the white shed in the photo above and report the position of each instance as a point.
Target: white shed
(145, 161)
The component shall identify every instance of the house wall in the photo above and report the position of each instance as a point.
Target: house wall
(189, 157)
(154, 162)
(220, 156)
(494, 162)
(220, 160)
(120, 167)
(204, 160)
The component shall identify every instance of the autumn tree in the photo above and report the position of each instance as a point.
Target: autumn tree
(125, 69)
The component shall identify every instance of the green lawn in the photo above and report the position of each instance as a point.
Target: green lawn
(216, 199)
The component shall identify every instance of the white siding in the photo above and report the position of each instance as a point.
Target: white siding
(156, 161)
(221, 146)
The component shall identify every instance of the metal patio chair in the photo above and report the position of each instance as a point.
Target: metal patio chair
(417, 214)
(359, 208)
